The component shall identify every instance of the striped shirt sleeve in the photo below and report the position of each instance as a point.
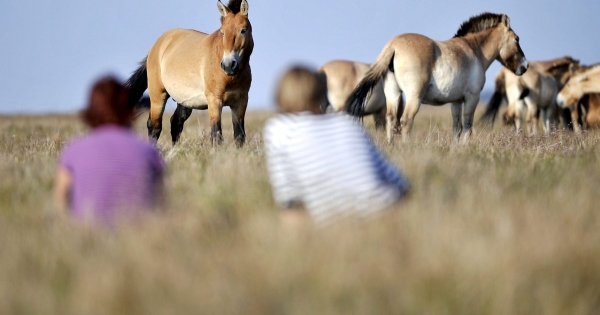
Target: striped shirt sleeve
(285, 187)
(387, 172)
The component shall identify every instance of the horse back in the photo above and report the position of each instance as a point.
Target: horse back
(431, 60)
(414, 52)
(178, 48)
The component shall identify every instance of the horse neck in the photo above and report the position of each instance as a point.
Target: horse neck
(248, 51)
(592, 85)
(486, 45)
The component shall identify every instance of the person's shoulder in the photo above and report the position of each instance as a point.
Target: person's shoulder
(279, 121)
(128, 137)
(76, 143)
(74, 148)
(344, 121)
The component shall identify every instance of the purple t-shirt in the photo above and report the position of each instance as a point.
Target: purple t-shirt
(114, 174)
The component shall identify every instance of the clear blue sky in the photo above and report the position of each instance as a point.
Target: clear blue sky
(52, 50)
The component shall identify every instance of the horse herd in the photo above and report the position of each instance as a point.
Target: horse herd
(210, 71)
(557, 90)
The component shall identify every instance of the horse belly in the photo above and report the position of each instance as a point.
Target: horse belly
(444, 91)
(452, 83)
(188, 95)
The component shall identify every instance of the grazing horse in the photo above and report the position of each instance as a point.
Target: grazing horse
(199, 71)
(582, 89)
(342, 77)
(534, 91)
(439, 72)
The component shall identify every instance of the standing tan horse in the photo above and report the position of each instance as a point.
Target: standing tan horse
(342, 77)
(199, 71)
(440, 72)
(533, 92)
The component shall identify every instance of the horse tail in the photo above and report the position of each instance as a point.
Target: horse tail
(496, 100)
(357, 101)
(325, 101)
(137, 84)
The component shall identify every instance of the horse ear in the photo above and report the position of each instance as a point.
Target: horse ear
(244, 8)
(506, 21)
(572, 68)
(223, 9)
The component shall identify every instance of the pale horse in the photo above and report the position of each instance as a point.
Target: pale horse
(439, 72)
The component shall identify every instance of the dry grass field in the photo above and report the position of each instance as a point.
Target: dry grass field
(504, 225)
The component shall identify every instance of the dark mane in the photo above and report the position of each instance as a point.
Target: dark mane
(558, 63)
(588, 67)
(234, 6)
(479, 23)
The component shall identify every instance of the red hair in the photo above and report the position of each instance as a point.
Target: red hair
(108, 104)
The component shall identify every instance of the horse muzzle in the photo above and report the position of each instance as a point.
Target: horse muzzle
(231, 64)
(561, 101)
(522, 68)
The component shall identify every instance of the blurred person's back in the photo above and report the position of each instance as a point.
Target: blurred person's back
(110, 172)
(324, 162)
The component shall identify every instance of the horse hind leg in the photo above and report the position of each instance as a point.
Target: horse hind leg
(379, 118)
(157, 108)
(393, 97)
(177, 120)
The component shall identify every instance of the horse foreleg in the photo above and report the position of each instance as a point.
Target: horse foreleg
(575, 118)
(215, 108)
(468, 114)
(157, 108)
(547, 119)
(532, 116)
(177, 120)
(553, 113)
(238, 113)
(518, 108)
(457, 109)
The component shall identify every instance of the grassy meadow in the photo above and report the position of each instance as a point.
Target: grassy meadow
(507, 224)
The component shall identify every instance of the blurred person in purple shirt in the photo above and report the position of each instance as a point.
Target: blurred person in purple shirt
(110, 173)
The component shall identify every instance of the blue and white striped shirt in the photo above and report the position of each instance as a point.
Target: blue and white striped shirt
(328, 164)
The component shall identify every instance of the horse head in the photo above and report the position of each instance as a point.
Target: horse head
(570, 94)
(237, 36)
(511, 56)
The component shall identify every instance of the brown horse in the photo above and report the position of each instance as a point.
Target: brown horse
(534, 91)
(342, 77)
(199, 71)
(439, 72)
(589, 109)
